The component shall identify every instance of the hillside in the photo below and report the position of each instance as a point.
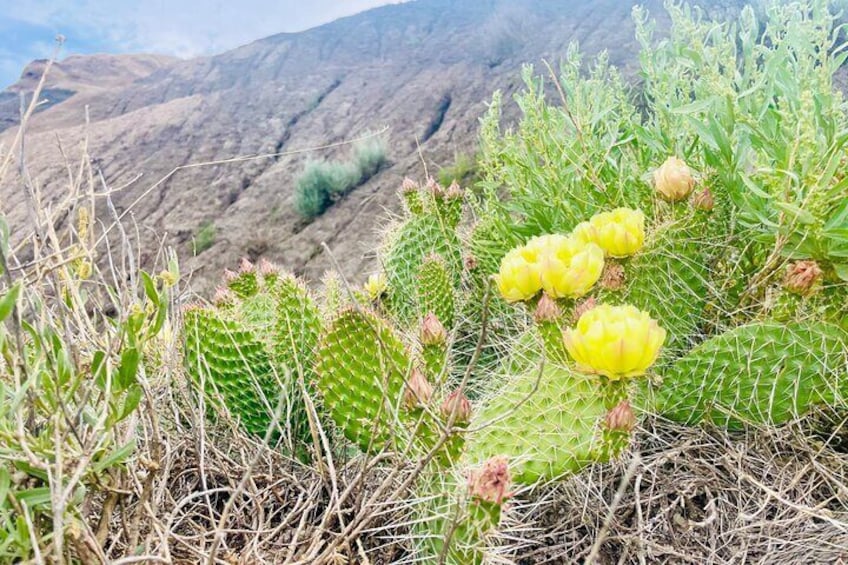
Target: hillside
(423, 69)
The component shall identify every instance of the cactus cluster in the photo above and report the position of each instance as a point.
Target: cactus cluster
(506, 339)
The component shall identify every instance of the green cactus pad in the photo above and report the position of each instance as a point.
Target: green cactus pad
(415, 239)
(435, 290)
(762, 373)
(233, 366)
(669, 281)
(548, 433)
(361, 369)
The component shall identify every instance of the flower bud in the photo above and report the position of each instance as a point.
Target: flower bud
(230, 276)
(432, 331)
(704, 200)
(613, 276)
(621, 418)
(246, 266)
(457, 404)
(224, 296)
(546, 310)
(802, 277)
(491, 482)
(470, 263)
(435, 189)
(375, 286)
(583, 307)
(673, 180)
(408, 185)
(418, 391)
(454, 190)
(267, 268)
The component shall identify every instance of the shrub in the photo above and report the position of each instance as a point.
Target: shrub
(205, 237)
(323, 182)
(463, 170)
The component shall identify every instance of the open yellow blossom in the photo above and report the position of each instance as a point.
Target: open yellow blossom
(570, 268)
(620, 232)
(544, 244)
(375, 286)
(519, 277)
(615, 341)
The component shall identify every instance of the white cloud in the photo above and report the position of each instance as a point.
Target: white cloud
(181, 27)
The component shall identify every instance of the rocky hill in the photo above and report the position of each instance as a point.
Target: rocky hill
(422, 69)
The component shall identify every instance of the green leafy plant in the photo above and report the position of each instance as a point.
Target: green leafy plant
(323, 182)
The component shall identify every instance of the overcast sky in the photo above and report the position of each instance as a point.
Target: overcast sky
(184, 28)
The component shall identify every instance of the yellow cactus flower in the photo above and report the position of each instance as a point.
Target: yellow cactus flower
(375, 286)
(614, 341)
(620, 232)
(519, 277)
(544, 244)
(571, 268)
(673, 180)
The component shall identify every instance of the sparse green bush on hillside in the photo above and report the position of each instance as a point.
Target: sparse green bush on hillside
(323, 182)
(463, 170)
(205, 237)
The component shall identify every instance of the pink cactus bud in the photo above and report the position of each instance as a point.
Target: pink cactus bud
(223, 296)
(802, 277)
(246, 266)
(409, 185)
(491, 482)
(612, 277)
(546, 310)
(704, 200)
(435, 188)
(458, 405)
(454, 190)
(230, 276)
(583, 307)
(267, 268)
(432, 331)
(418, 391)
(621, 418)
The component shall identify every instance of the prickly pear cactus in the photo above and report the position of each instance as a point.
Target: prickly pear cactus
(761, 373)
(233, 367)
(362, 367)
(430, 228)
(272, 316)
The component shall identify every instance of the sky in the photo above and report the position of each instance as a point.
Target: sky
(184, 28)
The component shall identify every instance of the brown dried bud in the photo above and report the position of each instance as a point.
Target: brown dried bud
(454, 190)
(470, 263)
(621, 418)
(432, 331)
(704, 200)
(583, 307)
(246, 266)
(491, 482)
(458, 405)
(612, 277)
(802, 277)
(418, 391)
(546, 310)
